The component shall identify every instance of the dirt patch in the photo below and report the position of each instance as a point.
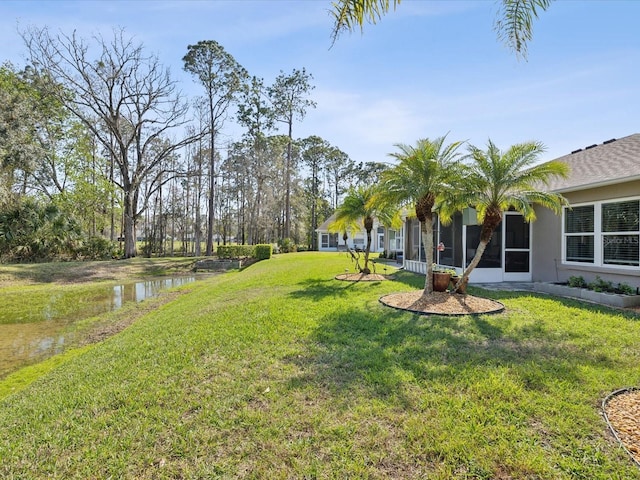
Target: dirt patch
(441, 303)
(623, 413)
(93, 271)
(102, 331)
(361, 277)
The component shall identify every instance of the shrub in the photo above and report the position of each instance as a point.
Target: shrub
(626, 289)
(443, 269)
(97, 248)
(600, 285)
(287, 246)
(32, 231)
(577, 282)
(235, 251)
(263, 252)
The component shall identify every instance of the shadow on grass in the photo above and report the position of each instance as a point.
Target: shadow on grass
(382, 351)
(501, 295)
(317, 289)
(410, 279)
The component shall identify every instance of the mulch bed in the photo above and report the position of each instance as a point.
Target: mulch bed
(441, 303)
(623, 413)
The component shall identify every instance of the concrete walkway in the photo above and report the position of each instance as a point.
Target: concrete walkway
(507, 286)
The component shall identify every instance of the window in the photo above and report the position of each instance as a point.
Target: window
(329, 240)
(579, 231)
(604, 233)
(395, 240)
(399, 245)
(621, 233)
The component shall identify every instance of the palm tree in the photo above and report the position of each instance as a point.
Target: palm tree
(359, 208)
(497, 181)
(513, 24)
(421, 178)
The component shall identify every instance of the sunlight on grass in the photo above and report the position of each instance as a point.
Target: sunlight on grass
(280, 371)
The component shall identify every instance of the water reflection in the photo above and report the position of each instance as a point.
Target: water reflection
(46, 332)
(137, 292)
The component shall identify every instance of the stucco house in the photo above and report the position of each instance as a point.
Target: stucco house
(598, 235)
(382, 239)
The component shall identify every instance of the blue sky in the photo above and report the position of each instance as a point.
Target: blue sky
(428, 69)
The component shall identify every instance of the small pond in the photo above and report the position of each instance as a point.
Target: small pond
(45, 330)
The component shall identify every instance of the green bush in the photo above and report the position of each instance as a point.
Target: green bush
(287, 246)
(625, 289)
(577, 282)
(600, 285)
(97, 248)
(235, 251)
(263, 252)
(30, 230)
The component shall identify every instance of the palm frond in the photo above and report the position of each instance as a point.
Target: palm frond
(514, 23)
(504, 180)
(350, 14)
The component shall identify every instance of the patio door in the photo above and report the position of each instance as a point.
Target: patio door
(507, 257)
(517, 248)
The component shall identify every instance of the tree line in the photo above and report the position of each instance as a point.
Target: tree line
(100, 153)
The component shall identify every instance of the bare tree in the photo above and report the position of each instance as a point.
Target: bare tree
(133, 97)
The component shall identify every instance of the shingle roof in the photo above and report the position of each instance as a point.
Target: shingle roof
(614, 161)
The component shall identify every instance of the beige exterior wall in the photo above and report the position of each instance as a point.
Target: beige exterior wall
(546, 246)
(547, 241)
(621, 190)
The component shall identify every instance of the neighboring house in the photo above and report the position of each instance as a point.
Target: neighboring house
(382, 239)
(597, 236)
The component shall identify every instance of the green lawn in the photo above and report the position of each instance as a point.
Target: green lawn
(279, 371)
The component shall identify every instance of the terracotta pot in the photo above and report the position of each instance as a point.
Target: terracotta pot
(441, 281)
(462, 288)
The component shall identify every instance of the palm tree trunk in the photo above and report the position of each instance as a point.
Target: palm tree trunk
(482, 245)
(427, 236)
(492, 219)
(366, 270)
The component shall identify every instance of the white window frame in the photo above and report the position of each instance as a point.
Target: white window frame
(598, 234)
(396, 238)
(359, 239)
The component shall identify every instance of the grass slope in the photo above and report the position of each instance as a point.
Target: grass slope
(279, 371)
